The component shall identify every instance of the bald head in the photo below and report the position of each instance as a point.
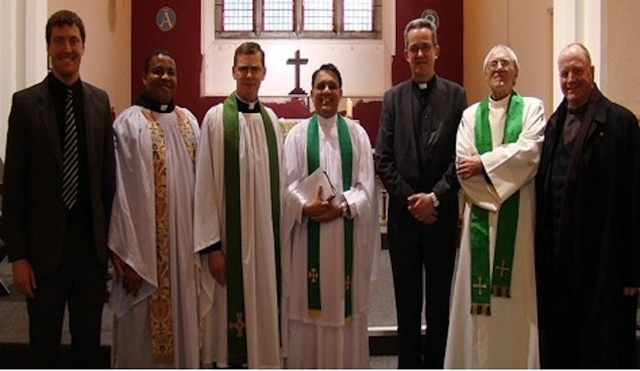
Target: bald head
(576, 74)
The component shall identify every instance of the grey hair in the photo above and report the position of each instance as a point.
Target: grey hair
(419, 23)
(501, 48)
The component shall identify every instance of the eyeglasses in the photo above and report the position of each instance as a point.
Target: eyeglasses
(244, 70)
(334, 192)
(425, 48)
(494, 65)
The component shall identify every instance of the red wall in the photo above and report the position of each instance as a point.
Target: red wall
(449, 63)
(183, 42)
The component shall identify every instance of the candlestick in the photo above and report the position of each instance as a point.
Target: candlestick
(349, 108)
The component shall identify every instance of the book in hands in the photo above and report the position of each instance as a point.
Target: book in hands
(308, 188)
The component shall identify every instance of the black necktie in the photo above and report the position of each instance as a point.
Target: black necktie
(70, 154)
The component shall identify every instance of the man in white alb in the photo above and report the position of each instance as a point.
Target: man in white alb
(493, 322)
(330, 233)
(237, 224)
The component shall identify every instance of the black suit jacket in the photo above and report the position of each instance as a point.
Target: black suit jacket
(397, 157)
(34, 213)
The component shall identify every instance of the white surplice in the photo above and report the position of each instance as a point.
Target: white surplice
(329, 341)
(258, 256)
(508, 338)
(132, 236)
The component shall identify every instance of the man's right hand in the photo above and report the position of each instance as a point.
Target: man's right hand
(218, 266)
(23, 278)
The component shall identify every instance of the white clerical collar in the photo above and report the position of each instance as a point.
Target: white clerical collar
(251, 105)
(422, 85)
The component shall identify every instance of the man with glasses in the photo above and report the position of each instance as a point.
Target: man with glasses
(415, 149)
(237, 223)
(493, 311)
(330, 235)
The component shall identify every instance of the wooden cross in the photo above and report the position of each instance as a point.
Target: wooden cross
(314, 275)
(479, 286)
(297, 61)
(503, 268)
(238, 325)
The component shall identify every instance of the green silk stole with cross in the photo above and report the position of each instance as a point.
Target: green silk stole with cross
(236, 339)
(313, 228)
(483, 285)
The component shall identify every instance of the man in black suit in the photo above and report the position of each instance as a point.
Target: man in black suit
(59, 183)
(416, 149)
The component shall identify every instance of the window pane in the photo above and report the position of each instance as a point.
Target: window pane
(358, 15)
(237, 15)
(278, 15)
(318, 15)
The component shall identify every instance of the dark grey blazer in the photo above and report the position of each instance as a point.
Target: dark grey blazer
(34, 213)
(397, 156)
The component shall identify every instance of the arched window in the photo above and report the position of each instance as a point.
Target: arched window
(295, 19)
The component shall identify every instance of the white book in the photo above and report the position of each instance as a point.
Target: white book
(308, 188)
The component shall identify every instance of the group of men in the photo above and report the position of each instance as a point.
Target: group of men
(547, 272)
(234, 247)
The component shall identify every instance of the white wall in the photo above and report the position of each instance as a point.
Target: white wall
(23, 54)
(364, 64)
(107, 57)
(526, 27)
(620, 75)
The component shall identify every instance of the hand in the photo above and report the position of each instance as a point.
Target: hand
(23, 278)
(629, 291)
(218, 266)
(420, 205)
(315, 207)
(332, 211)
(320, 210)
(469, 167)
(131, 280)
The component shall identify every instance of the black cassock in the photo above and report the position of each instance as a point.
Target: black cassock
(587, 244)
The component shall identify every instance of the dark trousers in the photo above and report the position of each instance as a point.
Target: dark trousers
(79, 283)
(410, 262)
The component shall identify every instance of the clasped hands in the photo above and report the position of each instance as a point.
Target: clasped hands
(322, 211)
(421, 206)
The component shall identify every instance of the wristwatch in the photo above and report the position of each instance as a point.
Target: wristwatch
(436, 202)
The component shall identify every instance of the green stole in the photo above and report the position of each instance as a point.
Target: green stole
(500, 280)
(236, 340)
(313, 228)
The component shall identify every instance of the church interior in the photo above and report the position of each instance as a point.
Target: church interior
(121, 33)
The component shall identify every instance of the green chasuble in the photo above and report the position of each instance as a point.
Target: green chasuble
(498, 283)
(236, 340)
(313, 228)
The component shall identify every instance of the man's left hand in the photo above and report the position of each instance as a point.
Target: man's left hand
(629, 291)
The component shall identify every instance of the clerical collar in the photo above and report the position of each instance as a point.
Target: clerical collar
(146, 101)
(424, 85)
(247, 107)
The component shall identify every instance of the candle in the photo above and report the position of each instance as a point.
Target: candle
(349, 108)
